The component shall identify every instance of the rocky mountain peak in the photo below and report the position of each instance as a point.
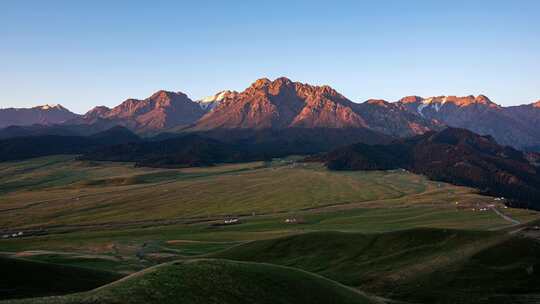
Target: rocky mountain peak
(164, 98)
(378, 102)
(97, 111)
(411, 99)
(51, 107)
(260, 83)
(483, 99)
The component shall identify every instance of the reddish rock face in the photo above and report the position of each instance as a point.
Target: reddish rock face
(96, 112)
(465, 101)
(282, 104)
(160, 111)
(411, 99)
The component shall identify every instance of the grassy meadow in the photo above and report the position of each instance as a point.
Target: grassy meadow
(60, 191)
(204, 281)
(365, 230)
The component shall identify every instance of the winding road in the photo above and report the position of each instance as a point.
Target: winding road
(504, 216)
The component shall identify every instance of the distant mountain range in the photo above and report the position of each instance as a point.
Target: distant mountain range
(161, 111)
(282, 104)
(516, 126)
(42, 115)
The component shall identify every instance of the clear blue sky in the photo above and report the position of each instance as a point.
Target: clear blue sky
(87, 53)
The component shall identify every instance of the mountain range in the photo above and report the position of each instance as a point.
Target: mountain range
(282, 104)
(515, 126)
(42, 115)
(161, 111)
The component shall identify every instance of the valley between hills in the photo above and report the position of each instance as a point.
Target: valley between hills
(396, 231)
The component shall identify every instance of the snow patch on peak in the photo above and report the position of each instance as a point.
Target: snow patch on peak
(436, 103)
(217, 97)
(438, 106)
(210, 102)
(421, 107)
(50, 107)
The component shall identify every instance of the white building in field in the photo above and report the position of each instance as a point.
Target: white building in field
(229, 221)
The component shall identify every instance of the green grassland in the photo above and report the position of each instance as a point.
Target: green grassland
(392, 233)
(419, 265)
(118, 210)
(23, 278)
(217, 281)
(59, 191)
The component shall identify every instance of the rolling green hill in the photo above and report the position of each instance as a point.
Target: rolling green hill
(23, 278)
(217, 281)
(419, 265)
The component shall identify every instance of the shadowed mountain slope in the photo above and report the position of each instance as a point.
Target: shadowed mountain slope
(225, 146)
(19, 148)
(456, 156)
